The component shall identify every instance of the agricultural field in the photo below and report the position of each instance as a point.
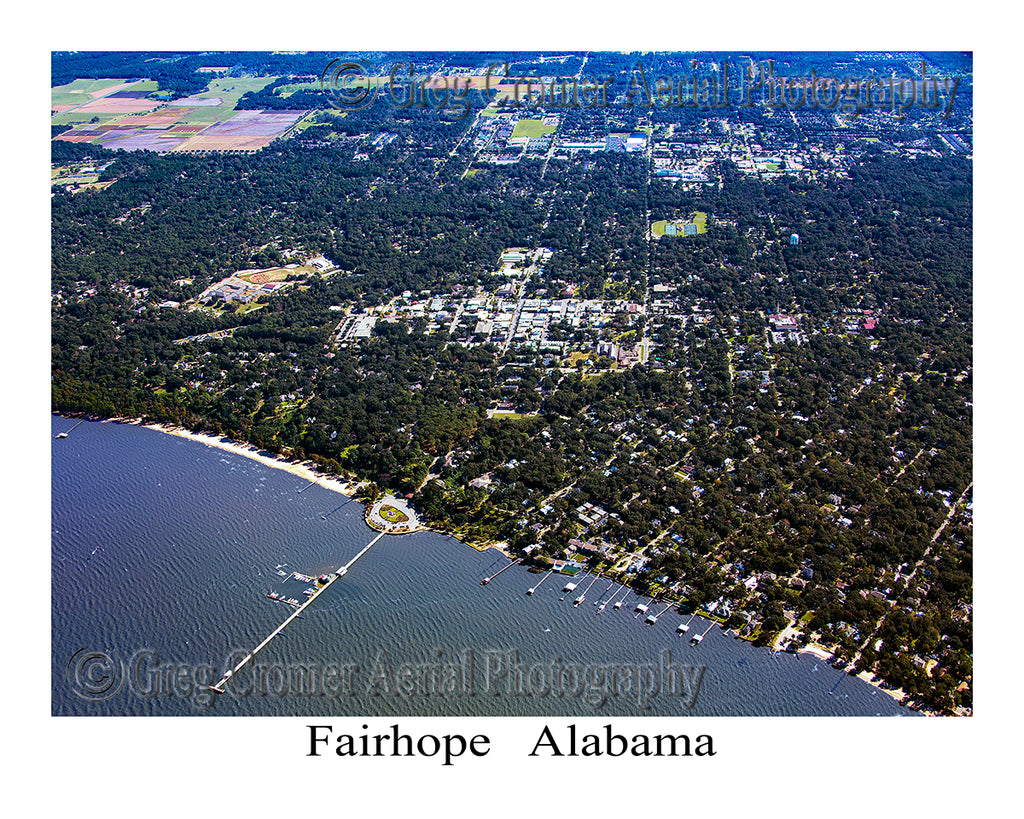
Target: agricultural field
(245, 131)
(121, 118)
(90, 101)
(217, 103)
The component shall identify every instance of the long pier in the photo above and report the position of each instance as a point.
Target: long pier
(219, 687)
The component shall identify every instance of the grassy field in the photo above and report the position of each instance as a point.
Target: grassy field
(312, 118)
(532, 128)
(291, 88)
(507, 415)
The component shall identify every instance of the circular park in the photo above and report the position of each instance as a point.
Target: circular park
(392, 515)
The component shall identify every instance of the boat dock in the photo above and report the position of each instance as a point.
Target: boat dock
(545, 577)
(62, 435)
(581, 598)
(653, 618)
(698, 637)
(487, 580)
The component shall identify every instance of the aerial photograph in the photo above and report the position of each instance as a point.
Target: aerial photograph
(555, 384)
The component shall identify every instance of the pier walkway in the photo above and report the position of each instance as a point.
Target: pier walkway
(219, 687)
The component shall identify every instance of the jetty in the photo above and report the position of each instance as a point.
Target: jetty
(315, 480)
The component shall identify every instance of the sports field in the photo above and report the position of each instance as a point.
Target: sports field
(698, 219)
(532, 128)
(272, 274)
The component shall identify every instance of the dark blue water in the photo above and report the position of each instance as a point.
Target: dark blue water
(163, 550)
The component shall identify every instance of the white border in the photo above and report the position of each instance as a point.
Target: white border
(840, 766)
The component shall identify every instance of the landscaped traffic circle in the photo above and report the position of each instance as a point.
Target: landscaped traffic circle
(392, 515)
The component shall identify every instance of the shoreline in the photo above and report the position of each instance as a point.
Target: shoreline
(307, 470)
(301, 469)
(871, 679)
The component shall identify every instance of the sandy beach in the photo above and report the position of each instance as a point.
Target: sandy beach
(306, 470)
(303, 469)
(817, 651)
